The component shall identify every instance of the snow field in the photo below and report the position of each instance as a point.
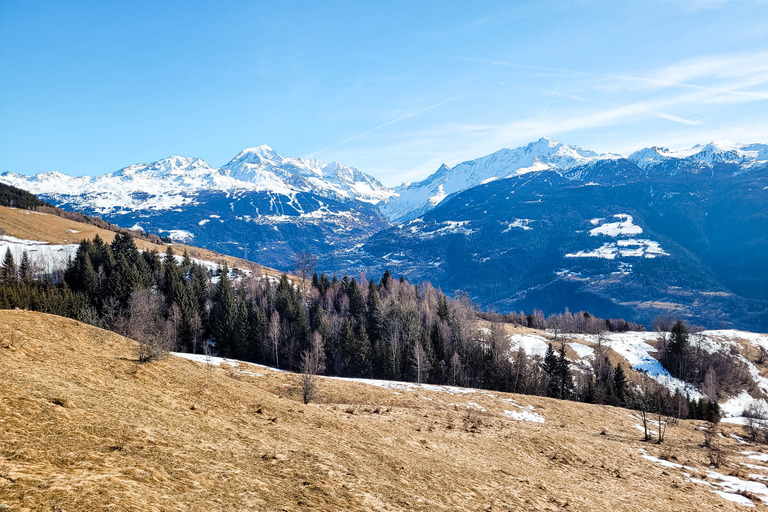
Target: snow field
(44, 256)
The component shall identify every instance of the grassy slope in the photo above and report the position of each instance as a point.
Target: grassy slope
(30, 225)
(85, 427)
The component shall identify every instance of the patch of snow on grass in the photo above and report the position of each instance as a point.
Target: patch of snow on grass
(583, 351)
(737, 498)
(476, 406)
(662, 462)
(732, 485)
(241, 366)
(735, 406)
(762, 457)
(524, 415)
(532, 344)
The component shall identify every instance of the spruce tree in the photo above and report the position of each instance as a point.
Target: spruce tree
(620, 384)
(357, 305)
(442, 307)
(122, 281)
(25, 268)
(550, 368)
(564, 373)
(224, 314)
(373, 312)
(9, 267)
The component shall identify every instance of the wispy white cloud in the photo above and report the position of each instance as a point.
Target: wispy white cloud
(677, 119)
(397, 120)
(550, 98)
(383, 125)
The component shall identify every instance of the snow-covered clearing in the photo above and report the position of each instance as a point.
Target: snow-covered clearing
(532, 344)
(523, 224)
(625, 226)
(634, 347)
(44, 256)
(583, 351)
(638, 248)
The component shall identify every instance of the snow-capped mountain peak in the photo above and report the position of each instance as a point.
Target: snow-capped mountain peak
(259, 153)
(173, 165)
(705, 155)
(415, 198)
(177, 180)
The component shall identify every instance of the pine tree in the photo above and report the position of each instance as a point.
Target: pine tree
(678, 348)
(550, 368)
(9, 267)
(385, 279)
(124, 244)
(564, 374)
(678, 339)
(224, 314)
(373, 314)
(25, 268)
(89, 281)
(357, 305)
(122, 281)
(240, 348)
(442, 307)
(620, 384)
(437, 339)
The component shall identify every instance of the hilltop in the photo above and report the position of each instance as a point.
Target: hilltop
(87, 427)
(47, 234)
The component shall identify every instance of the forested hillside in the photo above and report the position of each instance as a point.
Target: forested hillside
(386, 329)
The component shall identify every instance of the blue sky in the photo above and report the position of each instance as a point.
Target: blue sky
(393, 88)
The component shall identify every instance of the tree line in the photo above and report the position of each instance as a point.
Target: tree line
(386, 329)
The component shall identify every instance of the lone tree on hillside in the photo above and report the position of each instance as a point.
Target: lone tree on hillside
(312, 364)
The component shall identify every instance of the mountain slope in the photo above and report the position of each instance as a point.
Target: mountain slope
(48, 236)
(608, 237)
(86, 427)
(259, 205)
(176, 182)
(413, 199)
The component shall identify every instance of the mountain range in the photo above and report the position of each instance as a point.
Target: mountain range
(544, 226)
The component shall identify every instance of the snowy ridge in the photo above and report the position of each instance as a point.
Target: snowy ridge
(176, 181)
(415, 198)
(707, 155)
(410, 200)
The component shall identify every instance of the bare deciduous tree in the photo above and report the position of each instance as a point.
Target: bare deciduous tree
(419, 361)
(304, 263)
(155, 336)
(273, 334)
(312, 364)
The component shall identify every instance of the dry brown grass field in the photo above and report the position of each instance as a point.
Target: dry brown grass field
(31, 225)
(86, 427)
